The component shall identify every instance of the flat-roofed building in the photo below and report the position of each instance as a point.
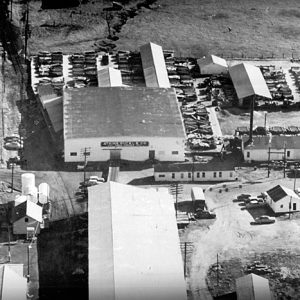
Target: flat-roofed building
(129, 123)
(134, 247)
(154, 66)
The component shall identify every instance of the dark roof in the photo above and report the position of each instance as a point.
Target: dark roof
(46, 91)
(215, 164)
(278, 192)
(122, 111)
(19, 211)
(277, 142)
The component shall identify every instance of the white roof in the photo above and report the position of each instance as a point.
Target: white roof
(252, 287)
(248, 81)
(207, 60)
(154, 66)
(108, 77)
(134, 250)
(13, 284)
(32, 210)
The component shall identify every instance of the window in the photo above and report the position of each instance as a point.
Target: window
(248, 154)
(26, 220)
(173, 175)
(73, 153)
(189, 175)
(281, 206)
(288, 153)
(215, 174)
(161, 175)
(220, 174)
(203, 174)
(198, 174)
(175, 152)
(181, 175)
(230, 174)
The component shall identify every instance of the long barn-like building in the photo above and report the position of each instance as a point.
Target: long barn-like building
(128, 123)
(134, 247)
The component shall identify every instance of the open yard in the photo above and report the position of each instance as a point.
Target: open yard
(191, 27)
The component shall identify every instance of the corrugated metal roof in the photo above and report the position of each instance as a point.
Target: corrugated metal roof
(277, 142)
(134, 250)
(154, 66)
(122, 111)
(278, 192)
(212, 59)
(248, 81)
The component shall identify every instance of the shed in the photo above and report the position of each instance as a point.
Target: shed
(252, 287)
(13, 285)
(154, 66)
(134, 247)
(282, 199)
(109, 77)
(212, 65)
(26, 214)
(248, 81)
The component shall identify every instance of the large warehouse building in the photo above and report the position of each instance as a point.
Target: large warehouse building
(134, 247)
(129, 123)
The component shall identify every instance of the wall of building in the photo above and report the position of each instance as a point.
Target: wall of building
(282, 206)
(198, 176)
(166, 149)
(263, 154)
(20, 226)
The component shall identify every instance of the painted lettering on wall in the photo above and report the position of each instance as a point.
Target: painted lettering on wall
(125, 144)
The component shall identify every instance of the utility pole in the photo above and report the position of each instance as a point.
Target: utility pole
(26, 28)
(28, 258)
(12, 177)
(284, 159)
(217, 274)
(269, 154)
(175, 190)
(85, 153)
(185, 259)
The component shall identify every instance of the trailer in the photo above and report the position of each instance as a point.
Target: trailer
(198, 198)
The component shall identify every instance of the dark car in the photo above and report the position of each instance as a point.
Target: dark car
(263, 220)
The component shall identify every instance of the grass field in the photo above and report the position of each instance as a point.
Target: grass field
(191, 27)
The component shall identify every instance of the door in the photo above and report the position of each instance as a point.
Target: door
(151, 154)
(115, 154)
(294, 206)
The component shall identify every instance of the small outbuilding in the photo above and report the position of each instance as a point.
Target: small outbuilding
(109, 77)
(25, 216)
(283, 200)
(212, 65)
(252, 287)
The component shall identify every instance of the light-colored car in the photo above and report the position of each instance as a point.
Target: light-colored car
(263, 220)
(96, 179)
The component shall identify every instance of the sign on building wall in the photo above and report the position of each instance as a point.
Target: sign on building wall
(125, 144)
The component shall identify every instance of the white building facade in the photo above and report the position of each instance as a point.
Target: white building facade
(212, 65)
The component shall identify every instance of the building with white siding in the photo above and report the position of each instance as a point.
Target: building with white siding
(278, 144)
(282, 199)
(134, 247)
(212, 65)
(214, 170)
(128, 123)
(154, 66)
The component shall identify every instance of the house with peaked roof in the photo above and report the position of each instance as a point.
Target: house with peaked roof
(25, 216)
(282, 199)
(13, 285)
(134, 247)
(252, 287)
(212, 65)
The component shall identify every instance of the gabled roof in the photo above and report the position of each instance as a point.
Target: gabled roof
(214, 164)
(279, 192)
(122, 111)
(253, 287)
(13, 286)
(109, 77)
(134, 248)
(274, 142)
(27, 209)
(248, 81)
(204, 61)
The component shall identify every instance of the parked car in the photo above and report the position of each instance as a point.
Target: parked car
(96, 179)
(14, 146)
(255, 203)
(243, 197)
(204, 214)
(263, 220)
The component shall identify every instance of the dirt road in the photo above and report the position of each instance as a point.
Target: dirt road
(232, 236)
